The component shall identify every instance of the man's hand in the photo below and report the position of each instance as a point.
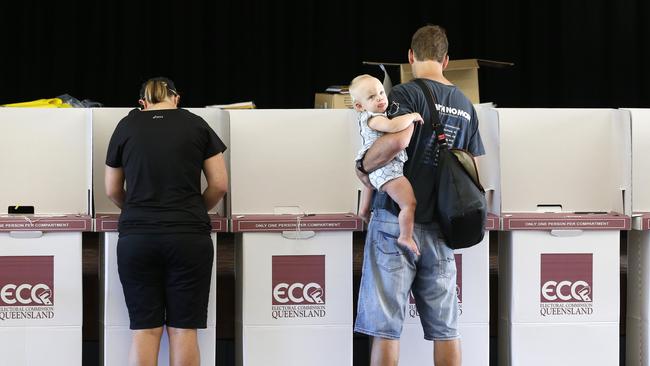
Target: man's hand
(363, 178)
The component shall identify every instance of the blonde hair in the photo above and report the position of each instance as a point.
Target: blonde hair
(156, 91)
(354, 85)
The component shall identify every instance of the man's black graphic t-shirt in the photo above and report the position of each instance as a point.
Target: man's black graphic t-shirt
(162, 154)
(460, 122)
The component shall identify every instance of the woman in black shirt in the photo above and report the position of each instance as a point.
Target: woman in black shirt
(165, 252)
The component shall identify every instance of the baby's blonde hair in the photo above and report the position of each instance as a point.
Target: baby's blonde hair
(354, 85)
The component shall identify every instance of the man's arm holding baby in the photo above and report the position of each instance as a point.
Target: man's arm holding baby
(382, 123)
(385, 148)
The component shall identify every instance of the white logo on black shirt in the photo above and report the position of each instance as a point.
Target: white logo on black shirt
(453, 111)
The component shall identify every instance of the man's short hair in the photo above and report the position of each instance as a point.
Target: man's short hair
(430, 43)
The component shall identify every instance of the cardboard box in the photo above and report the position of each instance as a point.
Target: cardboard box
(42, 326)
(332, 101)
(558, 292)
(294, 299)
(462, 73)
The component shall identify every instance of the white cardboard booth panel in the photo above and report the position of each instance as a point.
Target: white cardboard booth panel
(295, 192)
(640, 163)
(284, 158)
(565, 184)
(47, 165)
(576, 158)
(488, 164)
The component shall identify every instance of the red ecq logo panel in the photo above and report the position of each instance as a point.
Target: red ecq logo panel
(27, 281)
(298, 280)
(567, 278)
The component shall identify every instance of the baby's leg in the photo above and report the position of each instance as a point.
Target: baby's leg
(400, 190)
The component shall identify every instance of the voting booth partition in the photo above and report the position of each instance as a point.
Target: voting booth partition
(116, 336)
(45, 201)
(472, 273)
(637, 332)
(565, 197)
(294, 191)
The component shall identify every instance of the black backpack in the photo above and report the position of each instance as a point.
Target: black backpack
(460, 204)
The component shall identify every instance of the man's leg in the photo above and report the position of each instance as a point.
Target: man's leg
(447, 353)
(145, 344)
(384, 352)
(183, 347)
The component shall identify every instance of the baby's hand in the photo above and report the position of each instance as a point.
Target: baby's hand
(417, 118)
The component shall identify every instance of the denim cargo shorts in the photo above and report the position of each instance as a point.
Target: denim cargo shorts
(391, 271)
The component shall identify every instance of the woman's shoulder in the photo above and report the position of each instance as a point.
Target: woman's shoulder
(184, 113)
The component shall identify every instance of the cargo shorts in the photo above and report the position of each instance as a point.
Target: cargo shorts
(391, 272)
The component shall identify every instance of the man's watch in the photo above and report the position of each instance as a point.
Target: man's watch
(360, 167)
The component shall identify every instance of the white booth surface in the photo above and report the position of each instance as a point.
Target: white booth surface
(46, 160)
(104, 121)
(640, 163)
(294, 289)
(473, 293)
(559, 289)
(40, 295)
(568, 160)
(116, 335)
(282, 158)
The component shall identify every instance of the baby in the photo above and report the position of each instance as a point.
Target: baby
(371, 102)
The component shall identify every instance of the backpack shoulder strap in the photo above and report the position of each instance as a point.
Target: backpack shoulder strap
(441, 138)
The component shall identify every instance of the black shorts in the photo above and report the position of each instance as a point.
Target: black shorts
(166, 279)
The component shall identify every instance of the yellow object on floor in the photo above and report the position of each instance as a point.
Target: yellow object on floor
(41, 103)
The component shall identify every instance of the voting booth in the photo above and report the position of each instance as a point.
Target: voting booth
(45, 194)
(293, 192)
(638, 245)
(565, 197)
(472, 273)
(116, 336)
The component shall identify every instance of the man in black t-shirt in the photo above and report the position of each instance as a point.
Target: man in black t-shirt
(391, 272)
